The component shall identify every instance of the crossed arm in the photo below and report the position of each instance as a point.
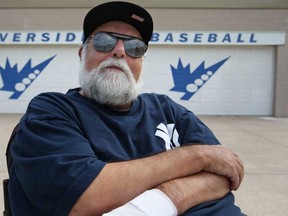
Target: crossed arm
(183, 174)
(192, 190)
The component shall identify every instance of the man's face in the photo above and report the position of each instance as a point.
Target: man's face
(113, 77)
(94, 57)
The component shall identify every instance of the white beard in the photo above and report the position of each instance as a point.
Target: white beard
(109, 86)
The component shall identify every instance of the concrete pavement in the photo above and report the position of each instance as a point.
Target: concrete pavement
(262, 143)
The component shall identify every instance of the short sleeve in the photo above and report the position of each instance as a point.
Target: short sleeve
(53, 161)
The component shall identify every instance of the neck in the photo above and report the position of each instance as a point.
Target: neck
(124, 107)
(120, 107)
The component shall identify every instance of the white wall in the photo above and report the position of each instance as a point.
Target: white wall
(241, 86)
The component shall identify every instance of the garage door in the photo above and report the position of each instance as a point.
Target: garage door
(214, 80)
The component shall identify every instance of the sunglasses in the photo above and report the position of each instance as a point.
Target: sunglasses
(106, 41)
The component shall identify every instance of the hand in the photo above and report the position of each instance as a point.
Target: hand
(223, 161)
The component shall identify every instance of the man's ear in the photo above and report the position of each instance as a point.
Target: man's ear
(80, 52)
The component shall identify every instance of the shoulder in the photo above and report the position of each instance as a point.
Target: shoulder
(47, 100)
(153, 97)
(163, 104)
(162, 100)
(50, 102)
(55, 97)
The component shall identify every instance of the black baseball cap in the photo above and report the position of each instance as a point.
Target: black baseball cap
(126, 12)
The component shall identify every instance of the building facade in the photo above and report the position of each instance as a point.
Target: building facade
(213, 61)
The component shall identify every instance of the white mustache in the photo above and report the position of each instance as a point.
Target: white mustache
(118, 63)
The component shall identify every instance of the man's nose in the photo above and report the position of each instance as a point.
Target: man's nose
(119, 50)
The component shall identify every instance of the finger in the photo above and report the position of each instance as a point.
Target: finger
(234, 177)
(237, 174)
(240, 171)
(235, 154)
(240, 166)
(235, 182)
(240, 162)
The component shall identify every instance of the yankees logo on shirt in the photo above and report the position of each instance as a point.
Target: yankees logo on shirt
(169, 134)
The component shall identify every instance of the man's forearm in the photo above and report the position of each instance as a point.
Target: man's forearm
(190, 191)
(120, 182)
(185, 193)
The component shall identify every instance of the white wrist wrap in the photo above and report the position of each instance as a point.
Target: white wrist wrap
(154, 203)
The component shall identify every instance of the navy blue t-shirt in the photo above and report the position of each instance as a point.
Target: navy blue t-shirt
(64, 141)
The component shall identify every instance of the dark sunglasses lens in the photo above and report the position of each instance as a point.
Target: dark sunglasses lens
(135, 47)
(104, 42)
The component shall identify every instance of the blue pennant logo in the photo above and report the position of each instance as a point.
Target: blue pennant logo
(18, 82)
(190, 82)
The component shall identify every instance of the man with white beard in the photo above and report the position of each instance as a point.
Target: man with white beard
(106, 149)
(107, 86)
